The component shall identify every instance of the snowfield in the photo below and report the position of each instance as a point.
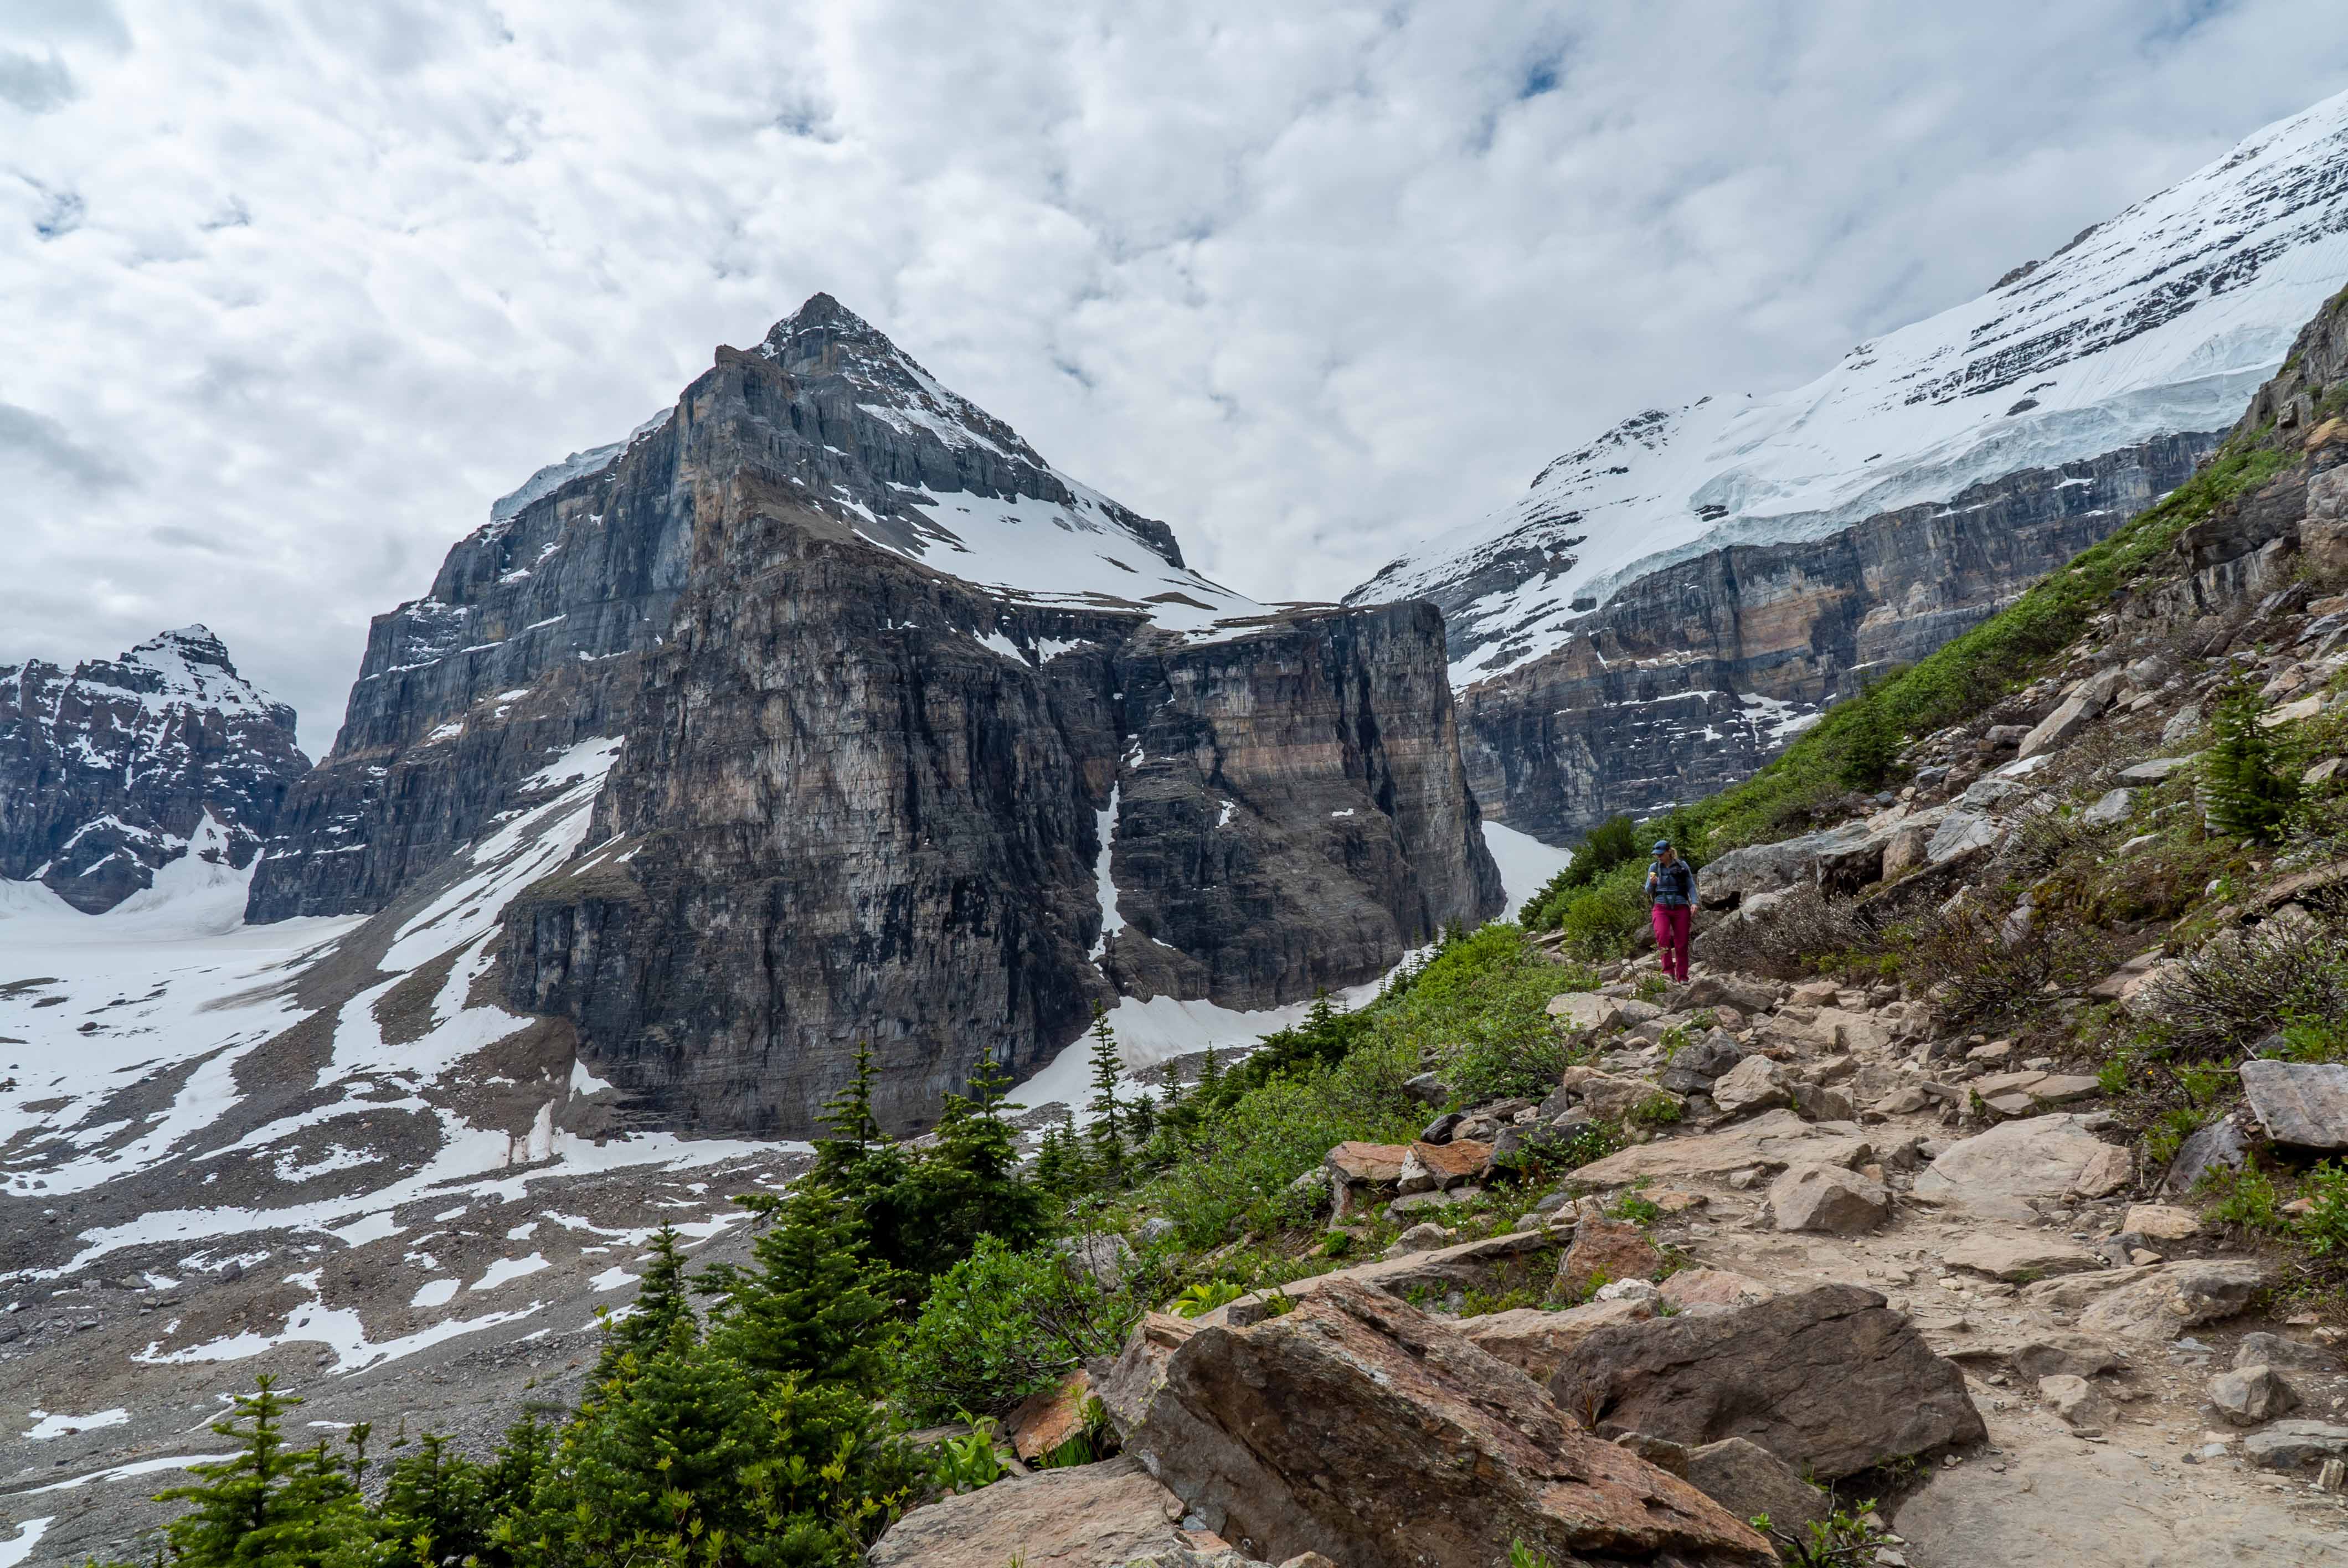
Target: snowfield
(2163, 320)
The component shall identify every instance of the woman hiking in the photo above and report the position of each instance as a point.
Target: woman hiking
(1671, 888)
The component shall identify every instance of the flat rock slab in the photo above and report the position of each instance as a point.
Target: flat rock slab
(1373, 1164)
(2289, 1445)
(1828, 1380)
(2302, 1103)
(2157, 1302)
(2036, 1157)
(2064, 1503)
(2020, 1259)
(1773, 1140)
(1358, 1427)
(1083, 1516)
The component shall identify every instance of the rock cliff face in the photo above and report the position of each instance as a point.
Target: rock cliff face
(1690, 678)
(925, 745)
(1715, 573)
(108, 774)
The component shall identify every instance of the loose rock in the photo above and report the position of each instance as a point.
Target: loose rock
(1826, 1198)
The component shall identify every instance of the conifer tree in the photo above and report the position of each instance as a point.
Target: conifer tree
(811, 1304)
(1109, 1132)
(661, 1306)
(1058, 1166)
(435, 1508)
(967, 1184)
(264, 1506)
(1211, 1080)
(2245, 793)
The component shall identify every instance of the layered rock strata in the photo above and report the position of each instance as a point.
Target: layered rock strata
(925, 745)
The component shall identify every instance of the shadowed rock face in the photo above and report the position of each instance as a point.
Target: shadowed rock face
(108, 772)
(1689, 679)
(924, 745)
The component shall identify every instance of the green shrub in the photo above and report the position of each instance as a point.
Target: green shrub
(2325, 1226)
(1197, 1300)
(2246, 1197)
(1002, 1325)
(1613, 843)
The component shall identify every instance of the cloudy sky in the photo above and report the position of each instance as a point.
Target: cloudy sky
(294, 288)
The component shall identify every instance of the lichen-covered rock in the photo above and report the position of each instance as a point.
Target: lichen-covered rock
(1082, 1516)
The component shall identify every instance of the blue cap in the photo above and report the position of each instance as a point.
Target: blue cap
(1661, 844)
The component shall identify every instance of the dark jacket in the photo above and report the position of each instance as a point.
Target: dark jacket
(1672, 885)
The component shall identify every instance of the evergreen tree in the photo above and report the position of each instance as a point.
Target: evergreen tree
(264, 1506)
(2245, 792)
(1058, 1168)
(814, 1304)
(1141, 1119)
(967, 1184)
(1210, 1080)
(510, 1485)
(851, 1131)
(435, 1512)
(1109, 1132)
(1870, 744)
(661, 1306)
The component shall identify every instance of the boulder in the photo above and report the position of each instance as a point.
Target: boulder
(2262, 1349)
(2290, 1444)
(1534, 1340)
(1045, 1421)
(1358, 1427)
(1770, 1141)
(1845, 1030)
(1366, 1165)
(1723, 990)
(2302, 1103)
(2111, 808)
(2047, 1354)
(1696, 1064)
(1748, 1479)
(2248, 1396)
(1126, 1384)
(1083, 1516)
(1827, 1198)
(2080, 708)
(1425, 1236)
(1584, 1010)
(2160, 1222)
(1756, 1083)
(1828, 1379)
(2075, 1399)
(1613, 1248)
(2223, 1145)
(2019, 1259)
(2166, 1300)
(1818, 1103)
(1711, 1287)
(1440, 1166)
(2033, 1157)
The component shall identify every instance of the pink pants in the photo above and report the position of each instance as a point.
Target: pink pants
(1671, 938)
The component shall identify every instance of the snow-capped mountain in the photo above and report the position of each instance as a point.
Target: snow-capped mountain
(115, 770)
(2156, 325)
(918, 741)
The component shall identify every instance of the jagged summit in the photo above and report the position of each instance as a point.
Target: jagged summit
(2157, 322)
(111, 772)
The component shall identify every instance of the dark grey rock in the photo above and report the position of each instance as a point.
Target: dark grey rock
(2302, 1103)
(108, 772)
(2220, 1146)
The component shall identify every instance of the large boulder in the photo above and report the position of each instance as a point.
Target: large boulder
(1606, 1250)
(1357, 1427)
(2174, 1298)
(2302, 1103)
(1756, 1083)
(1827, 1198)
(1829, 1379)
(1083, 1516)
(2035, 1157)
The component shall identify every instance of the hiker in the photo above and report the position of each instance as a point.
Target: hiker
(1671, 888)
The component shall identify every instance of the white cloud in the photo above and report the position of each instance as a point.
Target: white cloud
(294, 289)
